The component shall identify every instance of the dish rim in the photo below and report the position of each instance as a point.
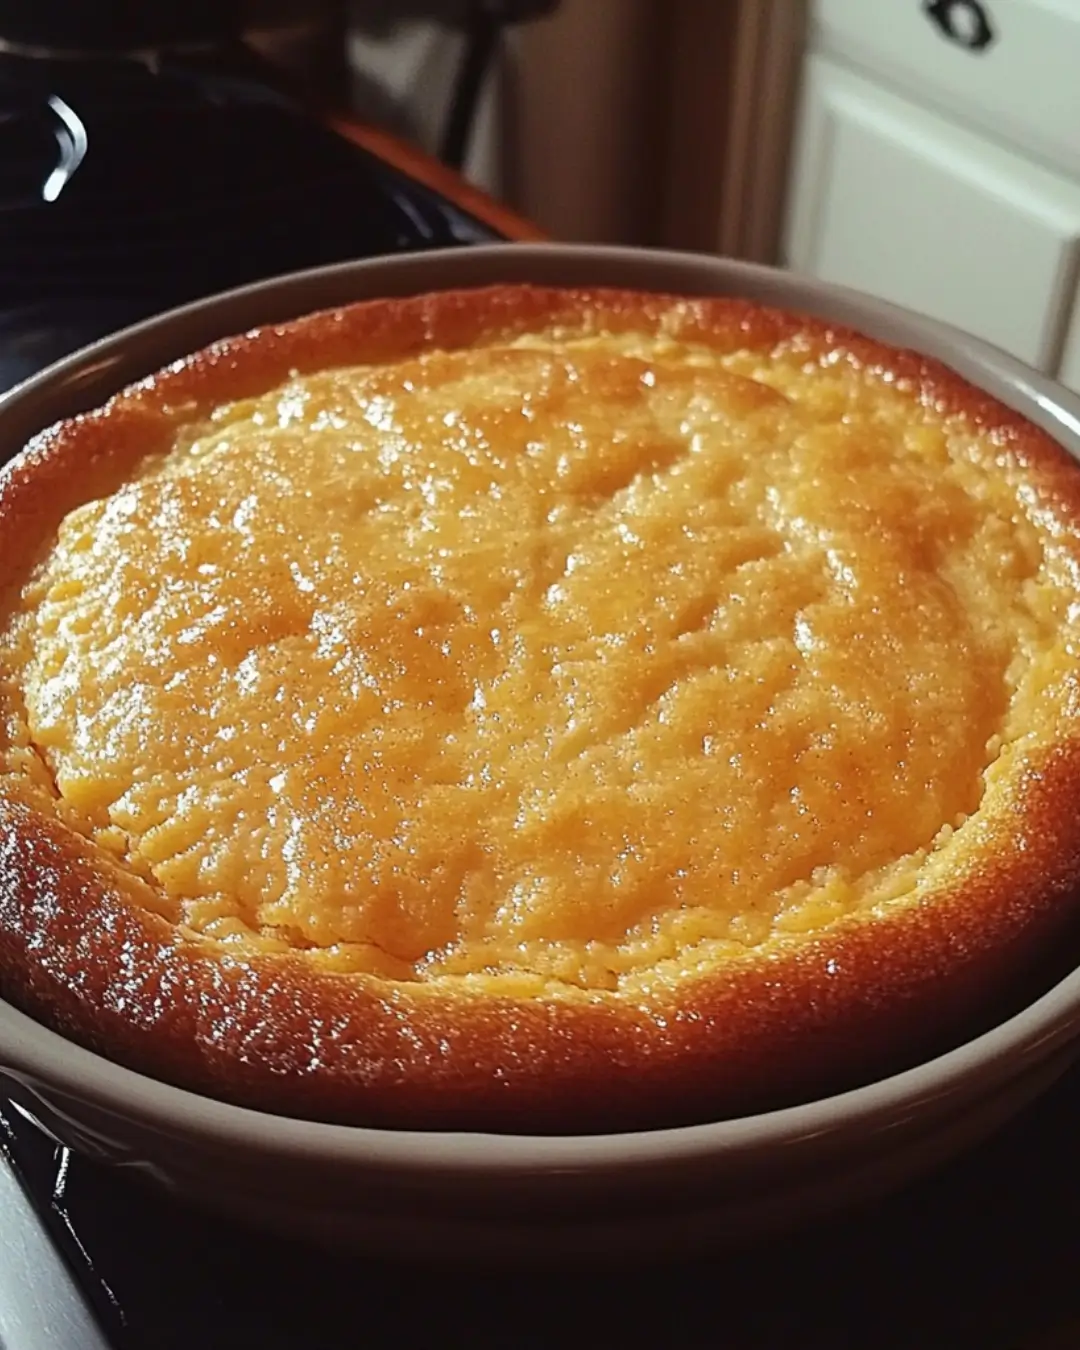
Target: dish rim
(41, 1056)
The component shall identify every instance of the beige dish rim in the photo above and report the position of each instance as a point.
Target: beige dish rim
(33, 1054)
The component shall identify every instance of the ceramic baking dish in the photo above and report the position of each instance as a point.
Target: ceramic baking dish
(511, 1197)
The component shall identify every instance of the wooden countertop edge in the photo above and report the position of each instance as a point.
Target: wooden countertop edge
(429, 171)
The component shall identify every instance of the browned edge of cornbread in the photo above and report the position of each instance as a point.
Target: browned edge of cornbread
(82, 948)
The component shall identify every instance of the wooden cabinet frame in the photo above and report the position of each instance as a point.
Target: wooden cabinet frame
(734, 85)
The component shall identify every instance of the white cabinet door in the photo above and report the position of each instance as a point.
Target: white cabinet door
(1022, 85)
(898, 201)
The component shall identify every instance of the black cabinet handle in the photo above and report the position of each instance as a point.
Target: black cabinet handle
(965, 22)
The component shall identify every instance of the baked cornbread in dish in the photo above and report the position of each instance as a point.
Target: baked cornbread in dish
(540, 710)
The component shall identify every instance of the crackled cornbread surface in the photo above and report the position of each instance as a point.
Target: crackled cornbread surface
(558, 662)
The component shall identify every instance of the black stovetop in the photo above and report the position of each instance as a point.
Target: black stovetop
(130, 186)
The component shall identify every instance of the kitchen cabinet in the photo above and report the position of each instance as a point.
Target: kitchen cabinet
(1016, 78)
(910, 190)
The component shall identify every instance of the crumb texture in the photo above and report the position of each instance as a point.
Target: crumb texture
(559, 663)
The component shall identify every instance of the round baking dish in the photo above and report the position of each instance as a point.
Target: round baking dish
(514, 1196)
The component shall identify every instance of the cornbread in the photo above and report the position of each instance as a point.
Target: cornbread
(536, 709)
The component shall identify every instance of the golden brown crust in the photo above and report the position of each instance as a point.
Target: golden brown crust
(79, 949)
